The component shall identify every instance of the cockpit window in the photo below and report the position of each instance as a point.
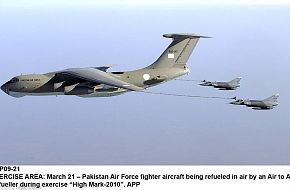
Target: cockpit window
(14, 80)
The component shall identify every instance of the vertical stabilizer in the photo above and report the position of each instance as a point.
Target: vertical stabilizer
(236, 80)
(273, 98)
(178, 52)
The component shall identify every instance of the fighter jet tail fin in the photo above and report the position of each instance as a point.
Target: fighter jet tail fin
(273, 98)
(236, 80)
(178, 52)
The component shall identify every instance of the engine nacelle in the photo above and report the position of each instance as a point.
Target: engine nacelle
(78, 90)
(57, 85)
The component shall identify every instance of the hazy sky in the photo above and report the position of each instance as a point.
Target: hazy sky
(250, 40)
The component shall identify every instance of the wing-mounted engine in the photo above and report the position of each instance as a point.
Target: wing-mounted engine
(58, 85)
(78, 89)
(105, 87)
(156, 80)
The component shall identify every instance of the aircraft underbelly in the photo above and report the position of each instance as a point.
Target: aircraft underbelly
(21, 94)
(95, 94)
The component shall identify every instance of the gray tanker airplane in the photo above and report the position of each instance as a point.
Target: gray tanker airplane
(231, 85)
(266, 104)
(98, 82)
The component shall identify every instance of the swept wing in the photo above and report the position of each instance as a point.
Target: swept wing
(98, 76)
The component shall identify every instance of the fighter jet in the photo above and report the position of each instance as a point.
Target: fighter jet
(231, 85)
(266, 104)
(98, 82)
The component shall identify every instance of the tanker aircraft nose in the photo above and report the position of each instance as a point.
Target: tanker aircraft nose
(5, 89)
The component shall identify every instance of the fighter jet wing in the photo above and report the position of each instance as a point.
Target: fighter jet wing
(98, 76)
(206, 83)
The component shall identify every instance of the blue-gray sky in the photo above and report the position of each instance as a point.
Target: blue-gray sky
(251, 40)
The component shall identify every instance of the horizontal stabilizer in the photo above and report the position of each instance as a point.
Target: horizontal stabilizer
(184, 35)
(103, 68)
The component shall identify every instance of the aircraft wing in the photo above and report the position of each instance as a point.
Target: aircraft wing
(205, 83)
(262, 108)
(98, 76)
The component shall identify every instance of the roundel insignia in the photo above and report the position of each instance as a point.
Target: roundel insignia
(146, 76)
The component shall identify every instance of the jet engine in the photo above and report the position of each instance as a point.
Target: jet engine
(57, 85)
(78, 90)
